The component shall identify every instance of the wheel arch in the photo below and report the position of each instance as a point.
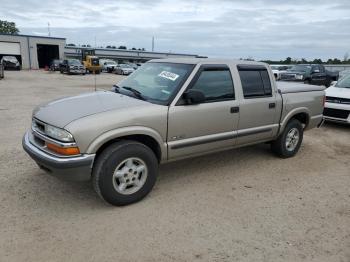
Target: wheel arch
(301, 114)
(146, 136)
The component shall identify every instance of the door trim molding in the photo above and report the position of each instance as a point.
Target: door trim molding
(218, 137)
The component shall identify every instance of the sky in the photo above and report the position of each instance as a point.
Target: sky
(270, 29)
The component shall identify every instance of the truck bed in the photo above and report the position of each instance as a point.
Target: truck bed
(294, 87)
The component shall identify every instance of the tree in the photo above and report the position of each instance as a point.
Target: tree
(122, 47)
(288, 60)
(70, 44)
(8, 28)
(108, 46)
(133, 48)
(303, 61)
(346, 57)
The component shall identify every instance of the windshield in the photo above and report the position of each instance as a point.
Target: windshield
(74, 62)
(274, 67)
(157, 82)
(110, 62)
(125, 66)
(344, 82)
(344, 73)
(301, 68)
(11, 59)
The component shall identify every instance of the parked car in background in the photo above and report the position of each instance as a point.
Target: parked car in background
(10, 62)
(1, 71)
(72, 66)
(55, 65)
(277, 70)
(314, 74)
(135, 66)
(167, 110)
(337, 107)
(124, 69)
(108, 65)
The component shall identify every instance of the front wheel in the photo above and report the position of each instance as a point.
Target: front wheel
(288, 143)
(125, 172)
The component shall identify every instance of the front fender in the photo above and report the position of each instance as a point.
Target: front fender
(127, 131)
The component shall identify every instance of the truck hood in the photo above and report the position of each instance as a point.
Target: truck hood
(334, 91)
(63, 111)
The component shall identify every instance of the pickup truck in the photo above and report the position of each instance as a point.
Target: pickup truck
(313, 74)
(167, 110)
(72, 66)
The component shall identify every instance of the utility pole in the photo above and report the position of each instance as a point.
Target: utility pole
(48, 28)
(152, 43)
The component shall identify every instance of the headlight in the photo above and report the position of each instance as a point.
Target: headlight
(58, 133)
(299, 77)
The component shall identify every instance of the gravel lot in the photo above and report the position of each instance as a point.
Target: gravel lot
(240, 205)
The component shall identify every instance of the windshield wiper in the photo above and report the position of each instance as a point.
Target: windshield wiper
(136, 93)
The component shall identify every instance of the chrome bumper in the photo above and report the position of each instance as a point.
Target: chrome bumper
(76, 168)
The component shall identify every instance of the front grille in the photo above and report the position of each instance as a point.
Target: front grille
(337, 100)
(287, 76)
(337, 113)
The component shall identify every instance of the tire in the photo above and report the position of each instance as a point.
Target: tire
(279, 146)
(115, 158)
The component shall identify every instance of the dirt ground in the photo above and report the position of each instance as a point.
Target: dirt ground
(240, 205)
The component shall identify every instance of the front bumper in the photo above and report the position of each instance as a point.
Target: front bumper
(77, 71)
(76, 168)
(337, 113)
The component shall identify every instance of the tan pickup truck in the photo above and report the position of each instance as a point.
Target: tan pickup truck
(168, 110)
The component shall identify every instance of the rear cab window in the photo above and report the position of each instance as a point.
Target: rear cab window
(255, 81)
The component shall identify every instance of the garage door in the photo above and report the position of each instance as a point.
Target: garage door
(10, 48)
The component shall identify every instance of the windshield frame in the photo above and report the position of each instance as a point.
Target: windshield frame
(176, 89)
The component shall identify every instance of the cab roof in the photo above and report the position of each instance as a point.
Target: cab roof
(195, 61)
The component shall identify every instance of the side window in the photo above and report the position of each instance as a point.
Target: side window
(255, 83)
(216, 84)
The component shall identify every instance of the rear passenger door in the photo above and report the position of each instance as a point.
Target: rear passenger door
(258, 115)
(209, 126)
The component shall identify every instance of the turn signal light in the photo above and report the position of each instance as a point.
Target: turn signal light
(66, 151)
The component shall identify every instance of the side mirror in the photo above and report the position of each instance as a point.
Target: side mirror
(194, 96)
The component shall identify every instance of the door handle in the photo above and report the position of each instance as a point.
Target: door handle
(234, 109)
(272, 105)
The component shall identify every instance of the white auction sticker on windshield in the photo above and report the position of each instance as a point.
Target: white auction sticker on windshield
(169, 75)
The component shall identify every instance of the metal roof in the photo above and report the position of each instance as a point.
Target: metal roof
(33, 36)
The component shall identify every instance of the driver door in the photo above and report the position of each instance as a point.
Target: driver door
(194, 129)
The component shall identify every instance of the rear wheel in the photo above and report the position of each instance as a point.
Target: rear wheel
(125, 172)
(288, 143)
